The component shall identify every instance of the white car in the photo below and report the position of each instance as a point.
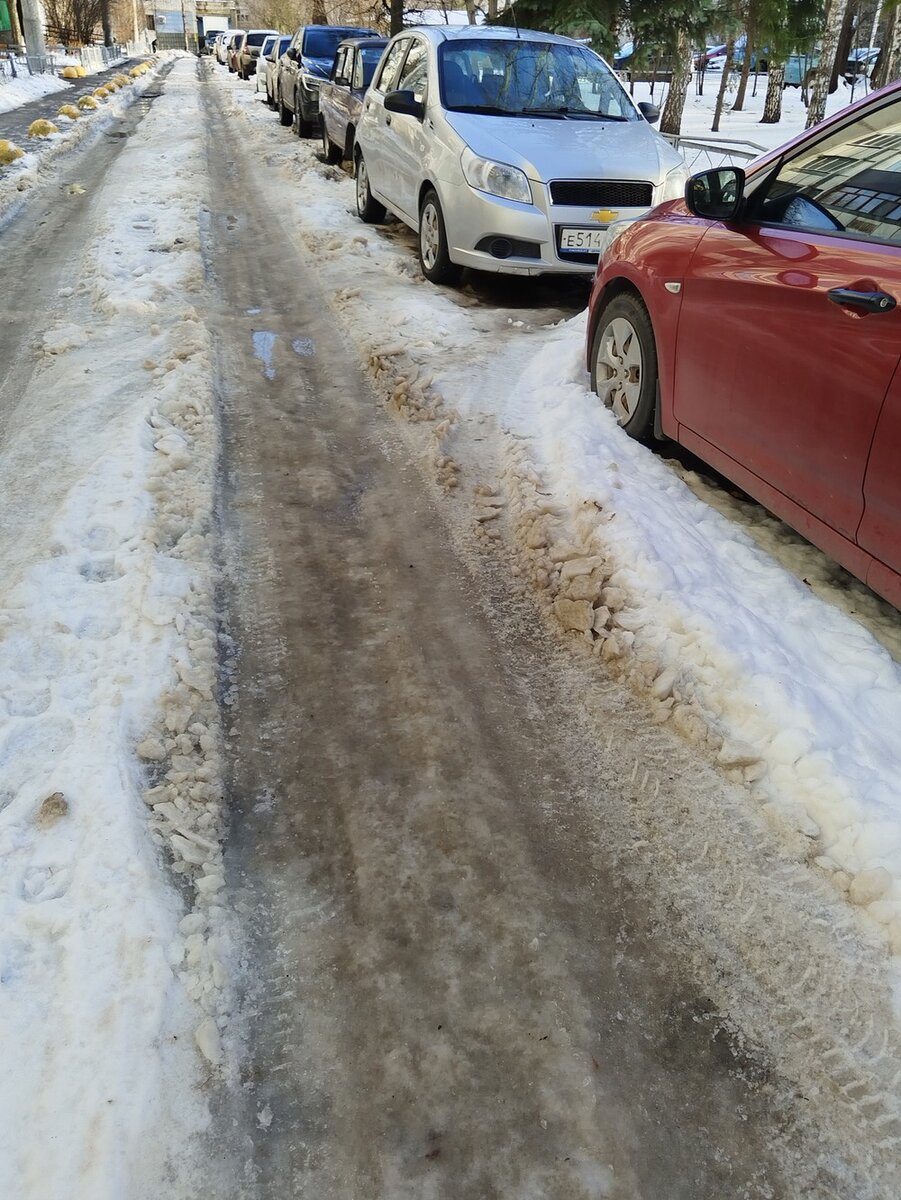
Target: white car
(222, 46)
(506, 150)
(259, 75)
(268, 68)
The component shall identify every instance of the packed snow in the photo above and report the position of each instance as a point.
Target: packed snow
(112, 980)
(794, 696)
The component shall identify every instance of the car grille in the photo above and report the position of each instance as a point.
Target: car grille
(608, 193)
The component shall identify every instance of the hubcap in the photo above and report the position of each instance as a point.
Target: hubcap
(429, 235)
(619, 368)
(362, 185)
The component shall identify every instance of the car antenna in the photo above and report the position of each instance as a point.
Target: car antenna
(513, 15)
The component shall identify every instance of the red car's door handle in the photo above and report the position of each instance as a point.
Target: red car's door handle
(874, 302)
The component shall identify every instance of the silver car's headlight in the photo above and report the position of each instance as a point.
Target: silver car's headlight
(673, 187)
(496, 178)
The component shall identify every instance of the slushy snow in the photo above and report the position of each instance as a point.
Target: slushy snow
(111, 979)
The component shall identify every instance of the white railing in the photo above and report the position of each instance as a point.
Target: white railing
(706, 153)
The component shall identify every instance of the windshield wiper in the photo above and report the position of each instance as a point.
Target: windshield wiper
(564, 114)
(490, 109)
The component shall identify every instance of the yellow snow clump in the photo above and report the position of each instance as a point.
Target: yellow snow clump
(88, 104)
(70, 111)
(41, 128)
(69, 72)
(122, 80)
(9, 152)
(101, 93)
(82, 72)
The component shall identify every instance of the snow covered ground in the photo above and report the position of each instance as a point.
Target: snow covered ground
(25, 87)
(745, 126)
(791, 687)
(111, 978)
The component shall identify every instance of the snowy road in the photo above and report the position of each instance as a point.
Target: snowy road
(509, 920)
(456, 991)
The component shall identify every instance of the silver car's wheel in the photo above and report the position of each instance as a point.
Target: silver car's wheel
(619, 369)
(624, 364)
(429, 235)
(434, 258)
(368, 209)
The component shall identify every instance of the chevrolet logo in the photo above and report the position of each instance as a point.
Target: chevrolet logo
(603, 215)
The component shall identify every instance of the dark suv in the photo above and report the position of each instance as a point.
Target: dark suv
(303, 66)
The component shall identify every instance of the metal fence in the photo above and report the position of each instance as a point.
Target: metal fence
(95, 58)
(15, 62)
(705, 153)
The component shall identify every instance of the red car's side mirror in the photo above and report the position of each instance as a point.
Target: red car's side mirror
(716, 194)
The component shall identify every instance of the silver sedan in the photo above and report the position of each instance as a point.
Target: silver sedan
(506, 151)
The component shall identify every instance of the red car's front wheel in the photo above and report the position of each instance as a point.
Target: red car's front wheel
(624, 365)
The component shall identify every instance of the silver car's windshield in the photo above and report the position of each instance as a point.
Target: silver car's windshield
(527, 78)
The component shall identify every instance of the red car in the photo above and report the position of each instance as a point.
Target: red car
(756, 323)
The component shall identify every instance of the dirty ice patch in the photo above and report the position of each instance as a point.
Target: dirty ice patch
(804, 704)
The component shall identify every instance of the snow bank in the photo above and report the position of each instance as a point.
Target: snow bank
(25, 88)
(112, 983)
(793, 697)
(797, 700)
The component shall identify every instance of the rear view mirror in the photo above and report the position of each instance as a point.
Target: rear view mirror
(650, 112)
(405, 102)
(716, 194)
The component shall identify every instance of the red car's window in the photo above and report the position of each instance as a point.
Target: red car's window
(848, 183)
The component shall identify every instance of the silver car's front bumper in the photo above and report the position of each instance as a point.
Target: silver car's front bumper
(478, 223)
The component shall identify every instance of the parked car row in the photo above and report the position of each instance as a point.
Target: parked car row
(503, 152)
(751, 315)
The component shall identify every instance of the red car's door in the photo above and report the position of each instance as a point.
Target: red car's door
(778, 376)
(789, 333)
(880, 529)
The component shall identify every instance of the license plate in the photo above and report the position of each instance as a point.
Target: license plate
(583, 239)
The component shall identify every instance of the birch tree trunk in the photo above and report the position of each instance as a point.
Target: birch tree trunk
(835, 16)
(892, 67)
(772, 107)
(724, 84)
(671, 121)
(471, 11)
